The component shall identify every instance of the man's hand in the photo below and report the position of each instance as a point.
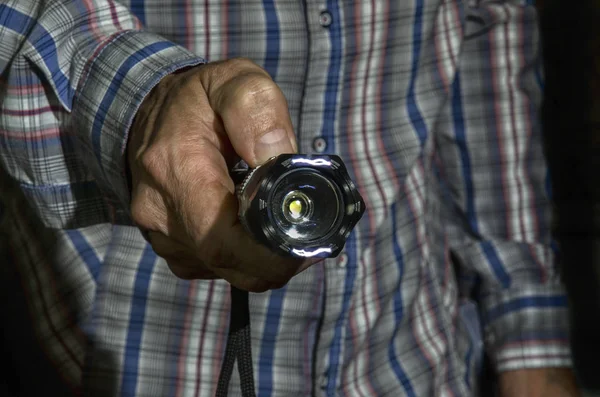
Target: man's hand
(185, 138)
(543, 382)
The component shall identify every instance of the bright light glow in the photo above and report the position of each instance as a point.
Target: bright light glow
(294, 233)
(311, 162)
(310, 254)
(296, 209)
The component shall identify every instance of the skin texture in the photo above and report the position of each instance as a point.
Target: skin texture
(543, 382)
(185, 138)
(188, 133)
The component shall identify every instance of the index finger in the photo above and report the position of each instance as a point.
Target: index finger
(224, 244)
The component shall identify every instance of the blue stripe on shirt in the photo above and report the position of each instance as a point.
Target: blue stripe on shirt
(398, 310)
(275, 305)
(138, 8)
(398, 302)
(15, 21)
(44, 44)
(137, 322)
(269, 340)
(336, 343)
(411, 99)
(86, 252)
(547, 335)
(133, 60)
(494, 260)
(539, 75)
(272, 31)
(333, 76)
(534, 302)
(461, 141)
(495, 157)
(234, 21)
(32, 142)
(468, 358)
(471, 210)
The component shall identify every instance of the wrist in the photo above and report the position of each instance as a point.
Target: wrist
(538, 382)
(145, 117)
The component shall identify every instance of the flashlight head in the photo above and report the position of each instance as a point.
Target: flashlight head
(300, 205)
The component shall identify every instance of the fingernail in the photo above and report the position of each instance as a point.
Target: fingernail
(272, 144)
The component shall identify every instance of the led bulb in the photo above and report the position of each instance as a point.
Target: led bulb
(296, 209)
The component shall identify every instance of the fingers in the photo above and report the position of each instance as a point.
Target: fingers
(252, 108)
(187, 270)
(148, 209)
(178, 256)
(247, 283)
(168, 247)
(224, 245)
(209, 241)
(187, 267)
(237, 249)
(179, 163)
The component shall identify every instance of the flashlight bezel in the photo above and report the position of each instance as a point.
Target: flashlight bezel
(257, 188)
(277, 221)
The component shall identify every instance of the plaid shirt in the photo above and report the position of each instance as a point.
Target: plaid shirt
(433, 105)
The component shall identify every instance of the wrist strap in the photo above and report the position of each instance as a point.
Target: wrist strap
(238, 345)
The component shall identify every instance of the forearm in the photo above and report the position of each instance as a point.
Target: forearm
(542, 382)
(75, 72)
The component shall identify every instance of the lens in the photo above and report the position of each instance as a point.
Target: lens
(297, 207)
(305, 204)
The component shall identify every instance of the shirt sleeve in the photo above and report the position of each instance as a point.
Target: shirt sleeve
(75, 72)
(492, 160)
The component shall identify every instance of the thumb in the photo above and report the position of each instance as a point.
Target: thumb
(253, 109)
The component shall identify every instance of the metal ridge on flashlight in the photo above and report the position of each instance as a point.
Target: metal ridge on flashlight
(300, 205)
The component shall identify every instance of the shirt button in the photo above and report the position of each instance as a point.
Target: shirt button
(325, 19)
(319, 145)
(342, 260)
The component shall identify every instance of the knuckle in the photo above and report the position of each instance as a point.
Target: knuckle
(148, 210)
(249, 84)
(241, 63)
(249, 91)
(220, 73)
(139, 213)
(200, 216)
(256, 90)
(152, 161)
(199, 165)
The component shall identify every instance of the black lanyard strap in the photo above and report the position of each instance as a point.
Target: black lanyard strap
(239, 344)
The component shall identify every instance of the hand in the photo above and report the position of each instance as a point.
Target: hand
(543, 382)
(184, 140)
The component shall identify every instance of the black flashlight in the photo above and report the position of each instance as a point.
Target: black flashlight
(299, 205)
